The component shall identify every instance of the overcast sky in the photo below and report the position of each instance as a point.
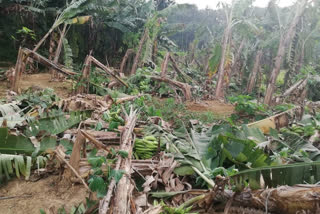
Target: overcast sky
(213, 3)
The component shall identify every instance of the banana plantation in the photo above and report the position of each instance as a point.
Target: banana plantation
(159, 107)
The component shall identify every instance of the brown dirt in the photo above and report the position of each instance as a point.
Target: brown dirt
(3, 89)
(45, 194)
(40, 80)
(215, 106)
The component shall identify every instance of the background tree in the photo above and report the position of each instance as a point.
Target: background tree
(284, 41)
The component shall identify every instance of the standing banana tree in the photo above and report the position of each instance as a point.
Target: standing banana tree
(284, 41)
(309, 34)
(254, 72)
(235, 14)
(226, 35)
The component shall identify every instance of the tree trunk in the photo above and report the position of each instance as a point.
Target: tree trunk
(301, 60)
(121, 195)
(176, 68)
(279, 120)
(220, 88)
(164, 66)
(284, 199)
(291, 61)
(206, 66)
(254, 72)
(58, 50)
(236, 58)
(155, 51)
(23, 56)
(85, 74)
(125, 59)
(52, 46)
(42, 40)
(75, 156)
(292, 88)
(47, 62)
(17, 71)
(108, 71)
(186, 89)
(136, 59)
(281, 52)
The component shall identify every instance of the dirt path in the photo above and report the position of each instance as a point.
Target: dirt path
(40, 80)
(214, 106)
(45, 194)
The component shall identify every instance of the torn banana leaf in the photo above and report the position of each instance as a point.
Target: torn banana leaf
(57, 124)
(220, 144)
(19, 144)
(166, 194)
(18, 165)
(291, 174)
(243, 153)
(296, 143)
(11, 113)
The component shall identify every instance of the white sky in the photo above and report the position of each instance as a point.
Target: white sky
(213, 3)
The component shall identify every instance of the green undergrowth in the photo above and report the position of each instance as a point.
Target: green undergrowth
(171, 111)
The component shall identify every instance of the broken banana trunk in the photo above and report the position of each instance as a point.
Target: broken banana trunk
(279, 120)
(284, 199)
(123, 188)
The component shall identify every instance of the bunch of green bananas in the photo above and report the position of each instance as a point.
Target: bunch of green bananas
(297, 129)
(145, 148)
(113, 116)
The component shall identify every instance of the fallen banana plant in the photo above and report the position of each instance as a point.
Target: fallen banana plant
(122, 194)
(278, 121)
(283, 199)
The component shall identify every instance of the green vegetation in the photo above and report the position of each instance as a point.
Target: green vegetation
(171, 110)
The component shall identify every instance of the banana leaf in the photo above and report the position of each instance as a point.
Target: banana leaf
(296, 143)
(57, 124)
(243, 153)
(11, 113)
(18, 165)
(273, 176)
(166, 194)
(19, 144)
(221, 145)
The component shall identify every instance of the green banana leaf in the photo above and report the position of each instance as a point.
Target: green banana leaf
(57, 124)
(243, 153)
(291, 174)
(296, 143)
(19, 144)
(18, 165)
(222, 145)
(166, 194)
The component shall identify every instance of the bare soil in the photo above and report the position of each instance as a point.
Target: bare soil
(44, 194)
(40, 81)
(3, 89)
(215, 106)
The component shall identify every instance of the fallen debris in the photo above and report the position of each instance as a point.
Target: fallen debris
(123, 187)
